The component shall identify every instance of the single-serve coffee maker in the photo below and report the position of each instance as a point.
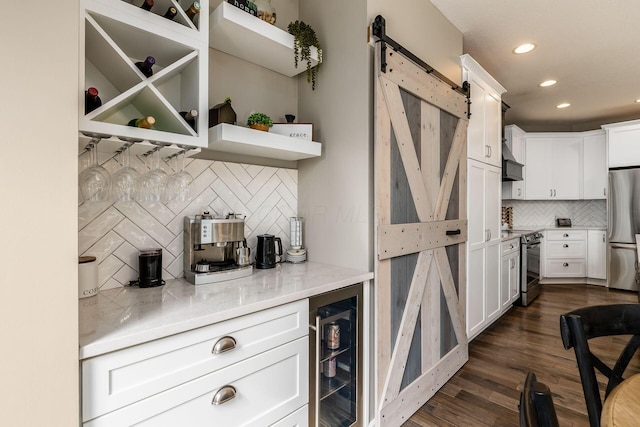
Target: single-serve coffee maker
(215, 249)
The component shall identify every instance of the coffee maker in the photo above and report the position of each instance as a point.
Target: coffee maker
(215, 248)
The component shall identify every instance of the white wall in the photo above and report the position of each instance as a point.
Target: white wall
(38, 219)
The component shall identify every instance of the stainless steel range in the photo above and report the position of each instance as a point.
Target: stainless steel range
(529, 266)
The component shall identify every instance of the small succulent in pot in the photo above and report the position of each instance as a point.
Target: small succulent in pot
(259, 121)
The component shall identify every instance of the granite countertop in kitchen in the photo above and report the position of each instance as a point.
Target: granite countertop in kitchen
(119, 318)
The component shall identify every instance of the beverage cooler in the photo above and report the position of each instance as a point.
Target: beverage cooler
(335, 358)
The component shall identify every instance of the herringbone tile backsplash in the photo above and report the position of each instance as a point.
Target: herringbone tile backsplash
(115, 232)
(592, 213)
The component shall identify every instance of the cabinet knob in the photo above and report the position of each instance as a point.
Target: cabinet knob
(224, 344)
(565, 246)
(566, 264)
(565, 235)
(225, 394)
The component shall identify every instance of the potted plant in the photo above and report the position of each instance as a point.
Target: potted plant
(303, 38)
(259, 121)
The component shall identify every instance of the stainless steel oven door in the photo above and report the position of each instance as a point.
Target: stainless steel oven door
(530, 272)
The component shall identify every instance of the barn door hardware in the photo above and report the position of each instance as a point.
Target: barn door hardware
(379, 30)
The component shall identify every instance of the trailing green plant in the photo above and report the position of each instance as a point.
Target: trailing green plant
(227, 100)
(303, 38)
(259, 118)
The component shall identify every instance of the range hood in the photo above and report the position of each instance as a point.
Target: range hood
(511, 170)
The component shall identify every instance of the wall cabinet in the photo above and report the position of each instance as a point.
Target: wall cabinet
(514, 190)
(484, 134)
(597, 254)
(248, 370)
(553, 167)
(594, 165)
(509, 273)
(622, 142)
(117, 34)
(483, 275)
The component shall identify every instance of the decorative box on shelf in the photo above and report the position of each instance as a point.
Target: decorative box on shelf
(294, 130)
(245, 5)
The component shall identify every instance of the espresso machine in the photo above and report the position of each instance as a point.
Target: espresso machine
(215, 249)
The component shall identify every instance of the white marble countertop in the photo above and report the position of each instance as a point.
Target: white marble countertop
(119, 318)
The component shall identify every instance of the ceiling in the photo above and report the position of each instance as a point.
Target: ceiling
(591, 47)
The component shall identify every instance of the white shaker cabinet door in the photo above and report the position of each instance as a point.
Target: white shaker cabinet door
(492, 280)
(597, 254)
(565, 160)
(594, 168)
(538, 169)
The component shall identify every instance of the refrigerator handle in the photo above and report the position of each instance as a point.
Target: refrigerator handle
(622, 246)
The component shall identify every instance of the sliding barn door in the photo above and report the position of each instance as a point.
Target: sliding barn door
(421, 227)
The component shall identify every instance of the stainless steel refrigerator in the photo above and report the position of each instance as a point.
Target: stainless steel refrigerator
(624, 224)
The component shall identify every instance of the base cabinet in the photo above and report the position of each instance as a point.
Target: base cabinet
(509, 273)
(597, 254)
(248, 371)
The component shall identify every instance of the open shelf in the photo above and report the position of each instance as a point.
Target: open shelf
(247, 37)
(242, 140)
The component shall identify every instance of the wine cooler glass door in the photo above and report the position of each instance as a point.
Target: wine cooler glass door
(336, 367)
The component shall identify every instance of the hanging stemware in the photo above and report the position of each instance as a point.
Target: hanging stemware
(126, 181)
(95, 181)
(153, 185)
(179, 182)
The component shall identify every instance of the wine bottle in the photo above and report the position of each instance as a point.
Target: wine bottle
(91, 100)
(190, 117)
(147, 4)
(145, 66)
(145, 122)
(171, 13)
(193, 10)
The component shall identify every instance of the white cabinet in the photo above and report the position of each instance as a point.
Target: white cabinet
(114, 36)
(565, 253)
(514, 190)
(553, 168)
(483, 276)
(594, 165)
(251, 370)
(622, 143)
(509, 273)
(484, 134)
(597, 254)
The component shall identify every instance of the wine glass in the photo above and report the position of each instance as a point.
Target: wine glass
(126, 181)
(178, 184)
(153, 184)
(95, 181)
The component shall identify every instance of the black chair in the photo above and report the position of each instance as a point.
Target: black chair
(536, 404)
(579, 326)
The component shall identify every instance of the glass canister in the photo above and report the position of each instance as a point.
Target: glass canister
(265, 11)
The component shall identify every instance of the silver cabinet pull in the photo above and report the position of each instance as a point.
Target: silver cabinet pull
(550, 192)
(225, 394)
(565, 235)
(604, 191)
(554, 192)
(566, 264)
(603, 238)
(224, 344)
(519, 191)
(565, 246)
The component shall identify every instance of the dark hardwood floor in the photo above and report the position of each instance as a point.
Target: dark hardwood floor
(485, 392)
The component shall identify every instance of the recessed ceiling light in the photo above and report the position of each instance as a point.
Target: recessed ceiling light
(524, 48)
(548, 83)
(563, 105)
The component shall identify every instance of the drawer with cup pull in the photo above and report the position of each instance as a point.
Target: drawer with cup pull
(566, 249)
(566, 268)
(566, 235)
(117, 379)
(510, 246)
(258, 392)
